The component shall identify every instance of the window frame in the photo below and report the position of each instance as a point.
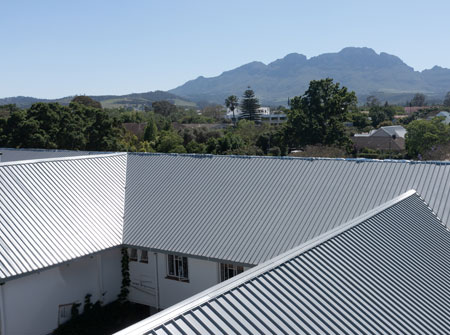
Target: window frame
(177, 268)
(133, 255)
(143, 259)
(225, 269)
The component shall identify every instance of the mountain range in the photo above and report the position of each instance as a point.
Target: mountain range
(133, 100)
(360, 69)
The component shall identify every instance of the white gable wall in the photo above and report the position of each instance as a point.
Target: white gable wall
(146, 278)
(31, 303)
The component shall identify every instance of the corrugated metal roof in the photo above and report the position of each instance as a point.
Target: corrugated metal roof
(249, 209)
(237, 209)
(56, 210)
(383, 274)
(15, 154)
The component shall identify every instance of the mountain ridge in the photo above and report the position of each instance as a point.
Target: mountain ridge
(360, 69)
(135, 100)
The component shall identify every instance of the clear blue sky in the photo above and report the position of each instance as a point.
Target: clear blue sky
(56, 48)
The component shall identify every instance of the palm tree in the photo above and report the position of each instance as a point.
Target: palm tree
(232, 102)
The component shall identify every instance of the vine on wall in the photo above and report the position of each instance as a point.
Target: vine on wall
(124, 288)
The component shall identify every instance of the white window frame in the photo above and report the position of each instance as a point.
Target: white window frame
(133, 256)
(177, 268)
(144, 256)
(227, 271)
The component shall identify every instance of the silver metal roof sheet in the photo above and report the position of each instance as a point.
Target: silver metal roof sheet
(236, 209)
(14, 154)
(52, 211)
(249, 209)
(384, 273)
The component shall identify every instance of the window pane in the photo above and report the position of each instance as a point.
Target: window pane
(144, 256)
(133, 254)
(228, 271)
(185, 267)
(170, 265)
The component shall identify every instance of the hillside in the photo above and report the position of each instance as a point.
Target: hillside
(134, 100)
(360, 69)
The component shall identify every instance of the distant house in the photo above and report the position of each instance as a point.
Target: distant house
(413, 109)
(189, 225)
(265, 113)
(390, 138)
(446, 116)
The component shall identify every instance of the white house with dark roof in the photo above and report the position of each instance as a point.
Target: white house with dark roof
(188, 223)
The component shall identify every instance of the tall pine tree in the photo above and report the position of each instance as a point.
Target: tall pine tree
(249, 106)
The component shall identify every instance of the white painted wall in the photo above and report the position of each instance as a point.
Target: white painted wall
(31, 302)
(202, 275)
(144, 281)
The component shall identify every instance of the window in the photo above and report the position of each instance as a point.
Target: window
(133, 255)
(64, 313)
(177, 268)
(144, 256)
(228, 271)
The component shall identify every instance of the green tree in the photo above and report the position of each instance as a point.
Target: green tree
(213, 111)
(164, 108)
(424, 135)
(317, 117)
(194, 147)
(6, 110)
(231, 103)
(151, 130)
(447, 100)
(372, 101)
(249, 106)
(379, 114)
(360, 121)
(418, 100)
(87, 101)
(170, 142)
(103, 133)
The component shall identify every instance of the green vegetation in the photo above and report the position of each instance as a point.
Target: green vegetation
(418, 100)
(52, 126)
(425, 136)
(319, 123)
(447, 100)
(231, 103)
(317, 117)
(249, 106)
(380, 114)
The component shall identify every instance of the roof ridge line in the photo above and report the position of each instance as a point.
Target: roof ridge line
(357, 160)
(220, 288)
(57, 159)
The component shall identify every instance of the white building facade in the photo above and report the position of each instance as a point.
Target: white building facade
(38, 303)
(161, 280)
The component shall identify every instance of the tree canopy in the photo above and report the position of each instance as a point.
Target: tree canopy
(424, 135)
(87, 101)
(231, 103)
(378, 114)
(418, 100)
(52, 126)
(164, 108)
(318, 115)
(447, 100)
(249, 106)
